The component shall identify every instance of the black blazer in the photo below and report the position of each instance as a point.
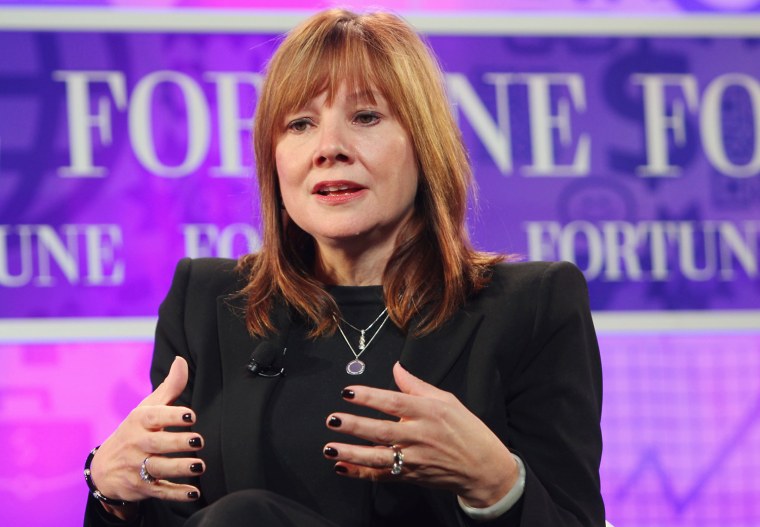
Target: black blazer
(522, 355)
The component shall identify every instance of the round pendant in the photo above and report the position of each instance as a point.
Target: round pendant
(355, 367)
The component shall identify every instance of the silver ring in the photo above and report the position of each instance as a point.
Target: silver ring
(144, 474)
(398, 460)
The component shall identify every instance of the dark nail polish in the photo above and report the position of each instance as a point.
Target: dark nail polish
(188, 418)
(196, 467)
(195, 442)
(330, 451)
(340, 469)
(334, 421)
(347, 394)
(193, 495)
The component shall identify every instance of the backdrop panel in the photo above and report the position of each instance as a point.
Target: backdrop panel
(635, 157)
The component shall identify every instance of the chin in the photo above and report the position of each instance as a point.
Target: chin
(345, 235)
(338, 236)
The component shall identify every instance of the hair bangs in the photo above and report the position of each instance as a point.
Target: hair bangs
(343, 57)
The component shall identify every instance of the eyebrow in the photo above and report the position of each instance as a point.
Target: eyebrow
(366, 95)
(355, 97)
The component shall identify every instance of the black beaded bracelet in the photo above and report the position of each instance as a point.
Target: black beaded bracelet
(93, 489)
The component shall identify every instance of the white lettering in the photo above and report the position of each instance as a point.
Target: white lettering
(104, 267)
(141, 123)
(650, 250)
(657, 121)
(620, 244)
(231, 241)
(495, 136)
(542, 240)
(584, 238)
(7, 278)
(734, 245)
(687, 251)
(74, 254)
(544, 123)
(711, 124)
(230, 123)
(65, 255)
(80, 119)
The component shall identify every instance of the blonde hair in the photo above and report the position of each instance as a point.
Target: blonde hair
(433, 267)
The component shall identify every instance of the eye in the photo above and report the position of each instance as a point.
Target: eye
(367, 118)
(300, 125)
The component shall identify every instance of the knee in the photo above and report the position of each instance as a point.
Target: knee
(254, 506)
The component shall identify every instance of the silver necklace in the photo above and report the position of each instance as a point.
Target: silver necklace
(362, 342)
(356, 366)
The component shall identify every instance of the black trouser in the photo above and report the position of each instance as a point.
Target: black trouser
(259, 508)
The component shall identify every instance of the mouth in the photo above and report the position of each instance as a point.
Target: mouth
(336, 188)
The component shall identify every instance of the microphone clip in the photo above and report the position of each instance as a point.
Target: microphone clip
(266, 372)
(264, 368)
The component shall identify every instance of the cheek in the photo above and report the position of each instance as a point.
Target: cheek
(409, 171)
(283, 180)
(281, 165)
(287, 175)
(411, 185)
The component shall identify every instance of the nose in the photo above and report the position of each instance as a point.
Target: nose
(333, 144)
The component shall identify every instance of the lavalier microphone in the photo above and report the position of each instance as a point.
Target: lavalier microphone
(263, 358)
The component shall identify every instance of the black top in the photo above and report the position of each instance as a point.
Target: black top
(295, 466)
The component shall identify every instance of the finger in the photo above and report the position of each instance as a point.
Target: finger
(171, 442)
(412, 385)
(350, 470)
(387, 401)
(161, 467)
(159, 417)
(168, 391)
(366, 456)
(379, 431)
(170, 491)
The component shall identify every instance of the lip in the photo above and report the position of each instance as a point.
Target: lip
(341, 191)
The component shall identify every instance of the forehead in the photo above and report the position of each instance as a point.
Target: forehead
(352, 69)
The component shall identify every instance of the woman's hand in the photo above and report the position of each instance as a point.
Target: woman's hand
(444, 444)
(115, 469)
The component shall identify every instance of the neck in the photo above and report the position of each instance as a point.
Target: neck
(337, 266)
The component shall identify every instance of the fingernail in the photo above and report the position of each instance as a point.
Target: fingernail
(330, 451)
(334, 421)
(188, 418)
(193, 495)
(196, 467)
(340, 469)
(195, 442)
(347, 394)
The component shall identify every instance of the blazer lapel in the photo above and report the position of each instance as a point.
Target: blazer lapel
(432, 356)
(245, 400)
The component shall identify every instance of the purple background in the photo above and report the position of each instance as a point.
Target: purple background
(150, 209)
(681, 410)
(681, 426)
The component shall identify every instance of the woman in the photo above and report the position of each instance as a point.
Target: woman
(440, 386)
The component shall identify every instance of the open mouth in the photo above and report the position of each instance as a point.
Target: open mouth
(337, 189)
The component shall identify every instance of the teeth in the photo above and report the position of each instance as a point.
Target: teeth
(334, 188)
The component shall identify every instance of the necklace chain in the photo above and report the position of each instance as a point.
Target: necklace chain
(362, 343)
(356, 367)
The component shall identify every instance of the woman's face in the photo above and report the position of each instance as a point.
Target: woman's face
(347, 171)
